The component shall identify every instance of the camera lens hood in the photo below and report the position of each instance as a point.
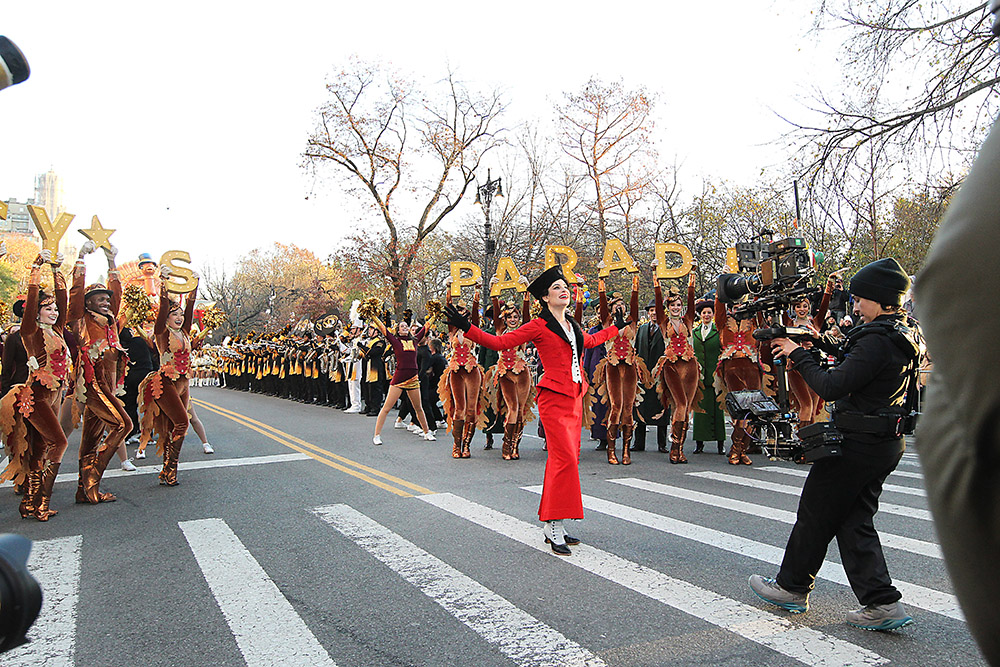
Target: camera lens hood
(20, 594)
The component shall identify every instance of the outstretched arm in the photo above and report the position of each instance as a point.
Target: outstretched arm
(189, 311)
(497, 320)
(689, 316)
(602, 303)
(633, 313)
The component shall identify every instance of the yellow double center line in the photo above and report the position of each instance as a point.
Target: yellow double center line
(318, 453)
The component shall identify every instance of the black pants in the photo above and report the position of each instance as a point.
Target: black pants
(839, 499)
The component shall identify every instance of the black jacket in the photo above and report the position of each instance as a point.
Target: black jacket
(870, 379)
(15, 363)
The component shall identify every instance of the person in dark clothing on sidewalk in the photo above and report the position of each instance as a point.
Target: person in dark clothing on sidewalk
(431, 370)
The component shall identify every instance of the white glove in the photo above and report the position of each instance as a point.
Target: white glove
(60, 258)
(448, 281)
(111, 254)
(493, 281)
(87, 248)
(46, 255)
(165, 271)
(523, 280)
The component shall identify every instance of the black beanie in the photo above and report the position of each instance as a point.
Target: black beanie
(883, 281)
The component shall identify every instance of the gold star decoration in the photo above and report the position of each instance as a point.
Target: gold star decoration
(98, 234)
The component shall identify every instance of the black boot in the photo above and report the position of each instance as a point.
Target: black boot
(699, 447)
(602, 444)
(661, 438)
(639, 440)
(722, 447)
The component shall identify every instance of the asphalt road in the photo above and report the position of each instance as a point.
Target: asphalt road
(304, 544)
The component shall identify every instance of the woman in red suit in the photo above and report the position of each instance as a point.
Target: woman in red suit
(560, 343)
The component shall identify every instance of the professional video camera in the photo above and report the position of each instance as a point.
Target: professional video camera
(13, 65)
(773, 276)
(20, 595)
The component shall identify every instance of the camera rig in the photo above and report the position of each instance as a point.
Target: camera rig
(773, 276)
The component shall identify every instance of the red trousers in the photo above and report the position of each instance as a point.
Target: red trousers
(562, 418)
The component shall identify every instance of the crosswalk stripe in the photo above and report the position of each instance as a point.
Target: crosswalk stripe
(938, 602)
(804, 644)
(895, 488)
(518, 635)
(188, 465)
(267, 629)
(888, 539)
(55, 564)
(888, 508)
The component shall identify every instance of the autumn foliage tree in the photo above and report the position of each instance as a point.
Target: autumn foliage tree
(411, 154)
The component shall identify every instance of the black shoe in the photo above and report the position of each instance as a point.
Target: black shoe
(570, 540)
(722, 448)
(560, 549)
(699, 447)
(602, 445)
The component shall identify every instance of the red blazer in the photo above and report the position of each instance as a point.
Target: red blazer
(554, 349)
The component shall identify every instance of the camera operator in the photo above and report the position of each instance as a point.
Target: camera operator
(840, 495)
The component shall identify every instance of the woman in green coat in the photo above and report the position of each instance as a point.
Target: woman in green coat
(709, 421)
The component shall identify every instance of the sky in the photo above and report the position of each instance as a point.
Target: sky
(181, 125)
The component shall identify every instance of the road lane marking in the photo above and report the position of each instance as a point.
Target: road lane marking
(915, 595)
(55, 564)
(888, 508)
(518, 635)
(267, 629)
(895, 488)
(801, 643)
(900, 542)
(318, 453)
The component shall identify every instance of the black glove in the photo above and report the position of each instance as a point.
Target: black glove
(620, 320)
(456, 319)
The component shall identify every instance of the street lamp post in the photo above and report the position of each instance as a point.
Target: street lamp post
(484, 197)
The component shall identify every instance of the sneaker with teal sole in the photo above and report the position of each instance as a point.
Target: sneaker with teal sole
(890, 616)
(769, 591)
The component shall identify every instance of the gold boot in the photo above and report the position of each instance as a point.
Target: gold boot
(612, 437)
(516, 441)
(32, 490)
(678, 432)
(470, 432)
(48, 479)
(457, 432)
(101, 460)
(168, 474)
(508, 441)
(627, 430)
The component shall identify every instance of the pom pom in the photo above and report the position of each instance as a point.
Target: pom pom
(434, 312)
(213, 318)
(369, 309)
(136, 307)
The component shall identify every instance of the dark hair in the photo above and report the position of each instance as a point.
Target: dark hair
(436, 345)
